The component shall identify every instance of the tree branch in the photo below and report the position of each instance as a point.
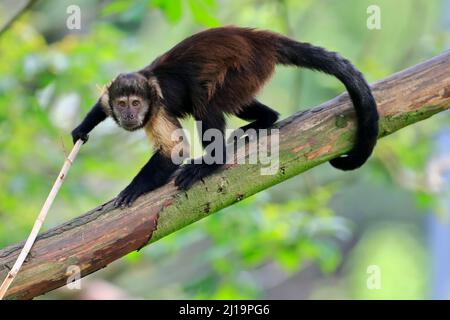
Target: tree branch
(307, 139)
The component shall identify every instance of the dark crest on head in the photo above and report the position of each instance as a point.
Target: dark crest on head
(126, 84)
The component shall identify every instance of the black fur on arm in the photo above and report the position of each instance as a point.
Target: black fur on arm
(155, 173)
(92, 119)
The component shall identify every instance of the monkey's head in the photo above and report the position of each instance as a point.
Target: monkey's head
(131, 99)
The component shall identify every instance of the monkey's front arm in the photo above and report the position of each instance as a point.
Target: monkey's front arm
(155, 173)
(92, 119)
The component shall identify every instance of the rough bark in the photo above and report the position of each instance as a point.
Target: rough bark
(306, 139)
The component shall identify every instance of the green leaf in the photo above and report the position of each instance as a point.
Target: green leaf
(172, 9)
(202, 11)
(116, 7)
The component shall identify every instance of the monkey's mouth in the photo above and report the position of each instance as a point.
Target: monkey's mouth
(129, 126)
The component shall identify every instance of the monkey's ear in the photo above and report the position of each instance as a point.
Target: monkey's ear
(104, 97)
(153, 83)
(104, 101)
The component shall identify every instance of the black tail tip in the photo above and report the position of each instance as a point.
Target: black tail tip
(347, 163)
(358, 155)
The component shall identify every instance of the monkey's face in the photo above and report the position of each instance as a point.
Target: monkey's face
(130, 111)
(129, 100)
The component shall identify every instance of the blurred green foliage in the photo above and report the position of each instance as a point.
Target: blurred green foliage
(259, 247)
(399, 254)
(203, 11)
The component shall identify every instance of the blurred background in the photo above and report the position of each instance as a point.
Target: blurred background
(381, 232)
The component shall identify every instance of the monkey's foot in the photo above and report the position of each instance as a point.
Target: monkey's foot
(236, 135)
(191, 173)
(129, 194)
(250, 130)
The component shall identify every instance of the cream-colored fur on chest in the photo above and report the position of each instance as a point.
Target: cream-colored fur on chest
(160, 129)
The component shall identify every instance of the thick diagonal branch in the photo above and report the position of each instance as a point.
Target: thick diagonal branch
(306, 139)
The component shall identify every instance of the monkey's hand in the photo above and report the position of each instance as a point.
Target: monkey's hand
(235, 135)
(156, 172)
(134, 190)
(80, 133)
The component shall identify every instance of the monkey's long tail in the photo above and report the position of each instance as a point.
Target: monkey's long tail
(308, 56)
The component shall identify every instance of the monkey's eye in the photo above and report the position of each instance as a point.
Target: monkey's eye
(122, 103)
(135, 103)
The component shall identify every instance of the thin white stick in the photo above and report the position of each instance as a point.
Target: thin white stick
(39, 220)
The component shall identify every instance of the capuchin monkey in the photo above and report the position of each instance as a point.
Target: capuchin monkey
(209, 75)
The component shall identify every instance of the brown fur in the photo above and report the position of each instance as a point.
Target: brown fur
(230, 64)
(212, 73)
(154, 84)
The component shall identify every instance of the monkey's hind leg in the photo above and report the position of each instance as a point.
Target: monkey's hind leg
(261, 115)
(214, 145)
